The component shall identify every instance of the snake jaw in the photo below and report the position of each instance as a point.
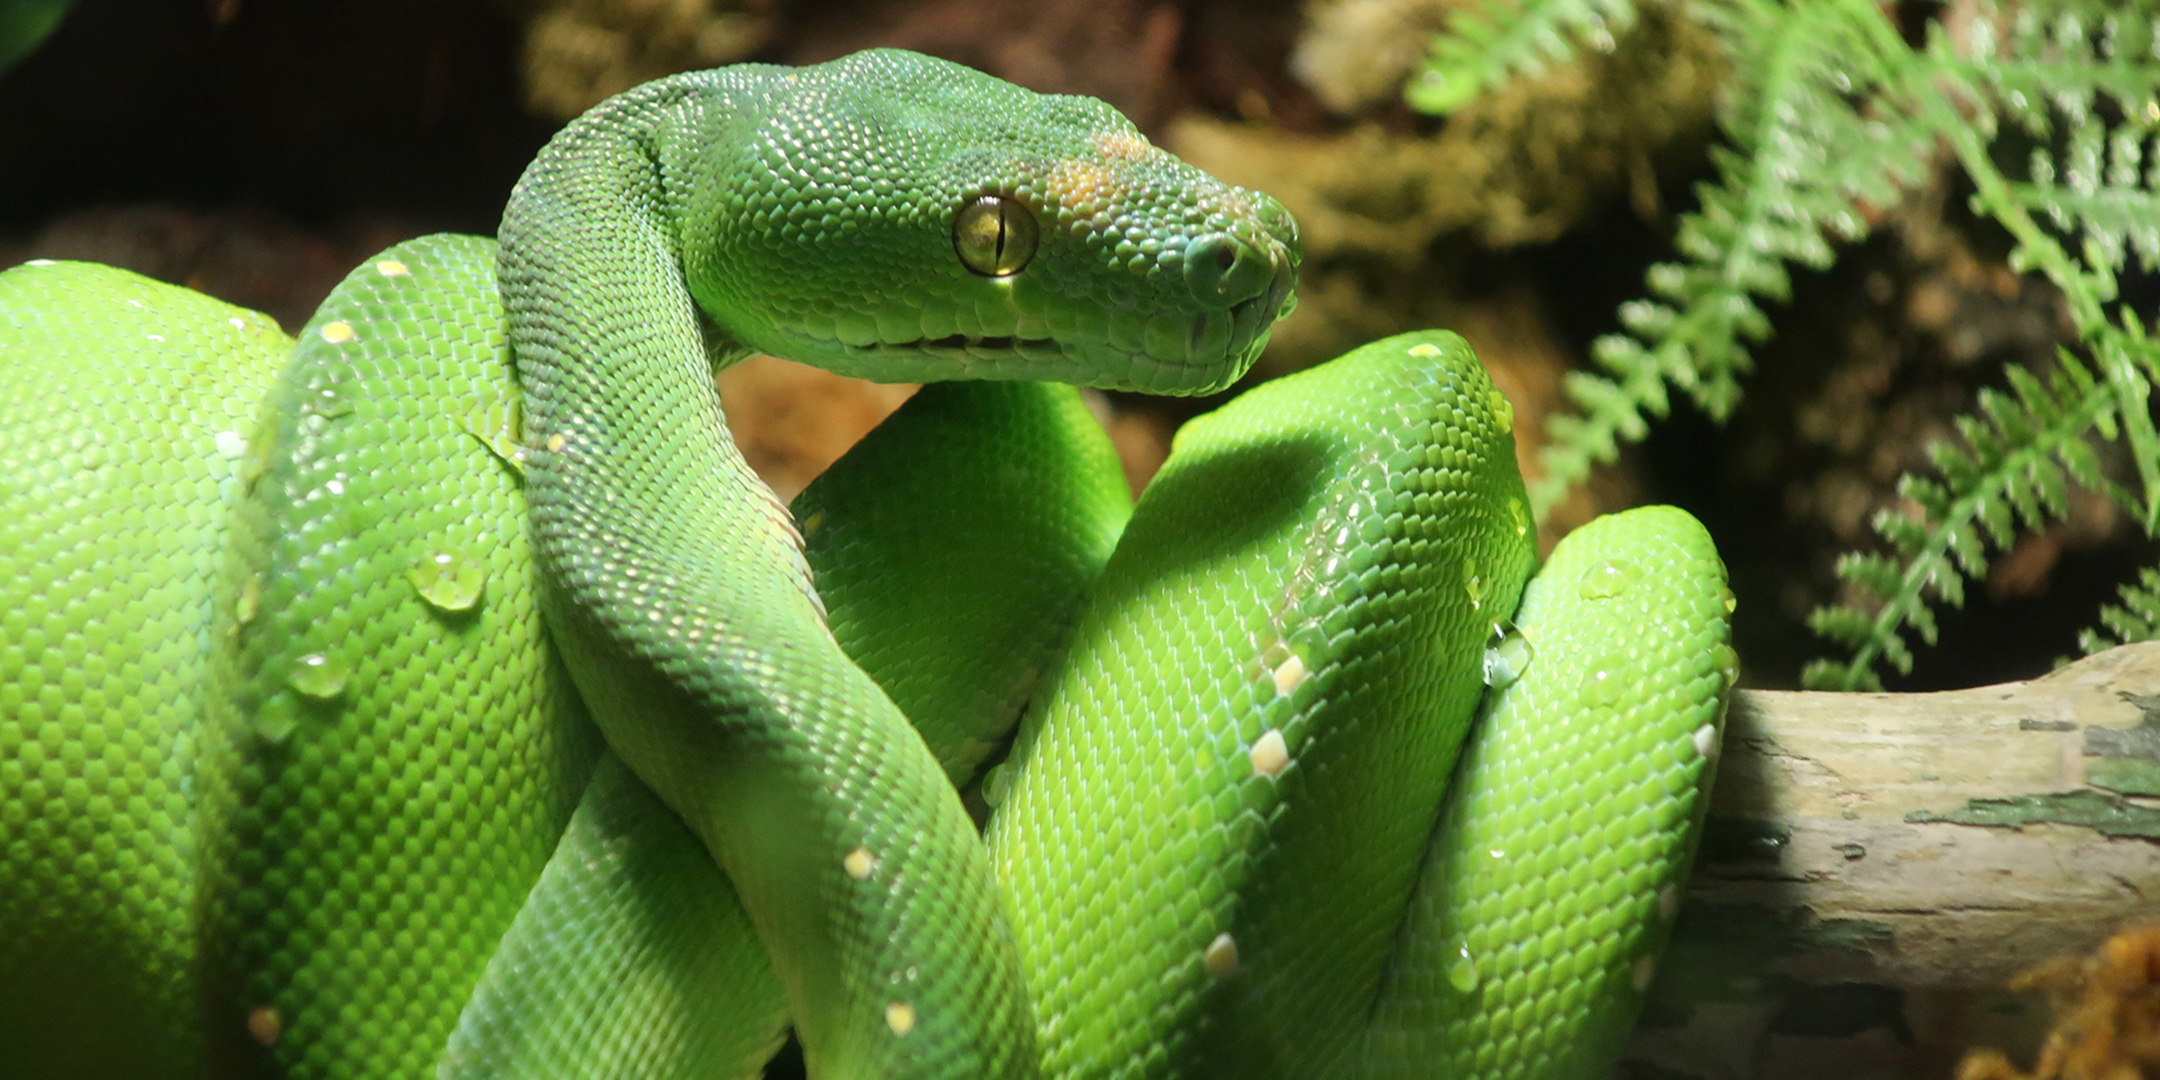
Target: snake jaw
(1110, 363)
(1144, 273)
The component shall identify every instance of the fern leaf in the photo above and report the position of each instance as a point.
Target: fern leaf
(2137, 618)
(1485, 46)
(1612, 410)
(2011, 465)
(1801, 156)
(2058, 65)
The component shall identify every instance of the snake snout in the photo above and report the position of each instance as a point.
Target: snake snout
(1277, 299)
(1222, 270)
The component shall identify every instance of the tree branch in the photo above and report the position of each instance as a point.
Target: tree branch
(1877, 865)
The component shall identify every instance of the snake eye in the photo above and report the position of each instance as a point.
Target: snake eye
(994, 236)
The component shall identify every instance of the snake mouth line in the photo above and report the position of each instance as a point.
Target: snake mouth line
(1095, 363)
(962, 341)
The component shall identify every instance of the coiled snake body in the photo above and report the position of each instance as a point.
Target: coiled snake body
(391, 703)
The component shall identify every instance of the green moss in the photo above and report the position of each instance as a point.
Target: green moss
(2099, 811)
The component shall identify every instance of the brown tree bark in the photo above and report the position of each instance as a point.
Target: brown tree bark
(1877, 865)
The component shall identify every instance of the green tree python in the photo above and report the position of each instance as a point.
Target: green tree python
(441, 694)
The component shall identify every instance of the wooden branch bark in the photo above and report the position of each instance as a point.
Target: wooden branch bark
(1877, 865)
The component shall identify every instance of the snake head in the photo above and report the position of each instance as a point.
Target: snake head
(903, 218)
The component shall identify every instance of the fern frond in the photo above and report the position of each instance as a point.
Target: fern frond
(1485, 46)
(1831, 113)
(2103, 195)
(2007, 470)
(1612, 410)
(2137, 618)
(1803, 158)
(2061, 57)
(2070, 60)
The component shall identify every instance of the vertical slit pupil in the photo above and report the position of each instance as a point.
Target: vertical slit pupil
(994, 236)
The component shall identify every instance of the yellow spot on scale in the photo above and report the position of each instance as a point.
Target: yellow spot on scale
(813, 523)
(1270, 756)
(556, 442)
(859, 863)
(1289, 675)
(1074, 181)
(1124, 146)
(265, 1024)
(1668, 902)
(1706, 740)
(337, 333)
(1645, 971)
(900, 1017)
(392, 268)
(1425, 350)
(1220, 959)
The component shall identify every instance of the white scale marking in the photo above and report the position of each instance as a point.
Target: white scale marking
(1270, 755)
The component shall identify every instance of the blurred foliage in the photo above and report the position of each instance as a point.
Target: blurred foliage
(2137, 618)
(580, 52)
(24, 25)
(1830, 116)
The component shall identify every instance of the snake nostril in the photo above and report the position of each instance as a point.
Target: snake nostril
(1222, 270)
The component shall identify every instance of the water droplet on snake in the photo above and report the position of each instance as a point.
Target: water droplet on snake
(1507, 659)
(1601, 682)
(318, 675)
(1463, 973)
(496, 425)
(448, 581)
(328, 402)
(1728, 664)
(1607, 579)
